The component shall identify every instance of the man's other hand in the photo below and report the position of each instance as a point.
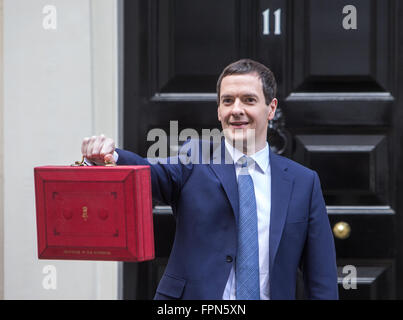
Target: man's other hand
(98, 149)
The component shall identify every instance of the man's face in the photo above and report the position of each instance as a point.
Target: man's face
(243, 111)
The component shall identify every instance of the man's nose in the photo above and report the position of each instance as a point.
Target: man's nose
(237, 107)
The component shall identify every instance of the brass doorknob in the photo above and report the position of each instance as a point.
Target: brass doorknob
(341, 230)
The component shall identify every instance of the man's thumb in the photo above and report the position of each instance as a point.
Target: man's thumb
(109, 159)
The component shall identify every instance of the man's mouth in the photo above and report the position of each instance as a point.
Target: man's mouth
(239, 124)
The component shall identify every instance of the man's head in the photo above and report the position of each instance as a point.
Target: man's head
(246, 66)
(246, 102)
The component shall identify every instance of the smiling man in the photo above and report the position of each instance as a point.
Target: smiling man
(243, 229)
(245, 106)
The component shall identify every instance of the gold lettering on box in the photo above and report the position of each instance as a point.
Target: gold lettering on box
(102, 252)
(71, 252)
(88, 252)
(85, 214)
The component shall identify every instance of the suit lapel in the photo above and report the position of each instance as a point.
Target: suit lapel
(281, 189)
(225, 172)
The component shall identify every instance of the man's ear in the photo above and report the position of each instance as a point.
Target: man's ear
(272, 106)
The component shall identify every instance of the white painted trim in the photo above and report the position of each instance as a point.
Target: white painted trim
(104, 47)
(1, 159)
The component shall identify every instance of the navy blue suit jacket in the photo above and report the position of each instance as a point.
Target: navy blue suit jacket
(204, 200)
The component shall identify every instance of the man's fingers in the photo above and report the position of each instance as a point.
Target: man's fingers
(87, 146)
(108, 147)
(96, 148)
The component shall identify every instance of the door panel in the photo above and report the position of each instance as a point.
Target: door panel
(329, 58)
(353, 168)
(340, 110)
(184, 47)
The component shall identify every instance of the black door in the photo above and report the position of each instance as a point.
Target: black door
(338, 65)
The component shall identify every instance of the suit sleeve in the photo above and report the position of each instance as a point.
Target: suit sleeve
(167, 175)
(319, 266)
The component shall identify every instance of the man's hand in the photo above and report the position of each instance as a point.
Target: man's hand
(98, 149)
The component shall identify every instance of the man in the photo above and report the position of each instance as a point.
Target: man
(243, 229)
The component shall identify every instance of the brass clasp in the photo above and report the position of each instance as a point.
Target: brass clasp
(79, 163)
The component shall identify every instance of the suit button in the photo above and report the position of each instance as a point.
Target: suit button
(229, 259)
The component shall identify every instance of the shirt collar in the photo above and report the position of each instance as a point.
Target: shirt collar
(261, 157)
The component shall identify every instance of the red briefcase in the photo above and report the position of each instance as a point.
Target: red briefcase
(94, 213)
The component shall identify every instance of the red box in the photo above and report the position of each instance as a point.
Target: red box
(94, 213)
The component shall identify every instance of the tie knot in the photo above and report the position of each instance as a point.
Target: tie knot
(245, 163)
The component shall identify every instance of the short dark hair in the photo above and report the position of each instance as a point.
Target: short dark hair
(246, 66)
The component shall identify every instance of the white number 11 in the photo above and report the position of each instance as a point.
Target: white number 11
(266, 22)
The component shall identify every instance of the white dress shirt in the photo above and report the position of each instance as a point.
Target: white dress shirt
(261, 176)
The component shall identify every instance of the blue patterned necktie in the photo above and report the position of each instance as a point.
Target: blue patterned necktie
(247, 260)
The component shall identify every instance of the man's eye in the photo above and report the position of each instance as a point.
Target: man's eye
(250, 100)
(227, 101)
